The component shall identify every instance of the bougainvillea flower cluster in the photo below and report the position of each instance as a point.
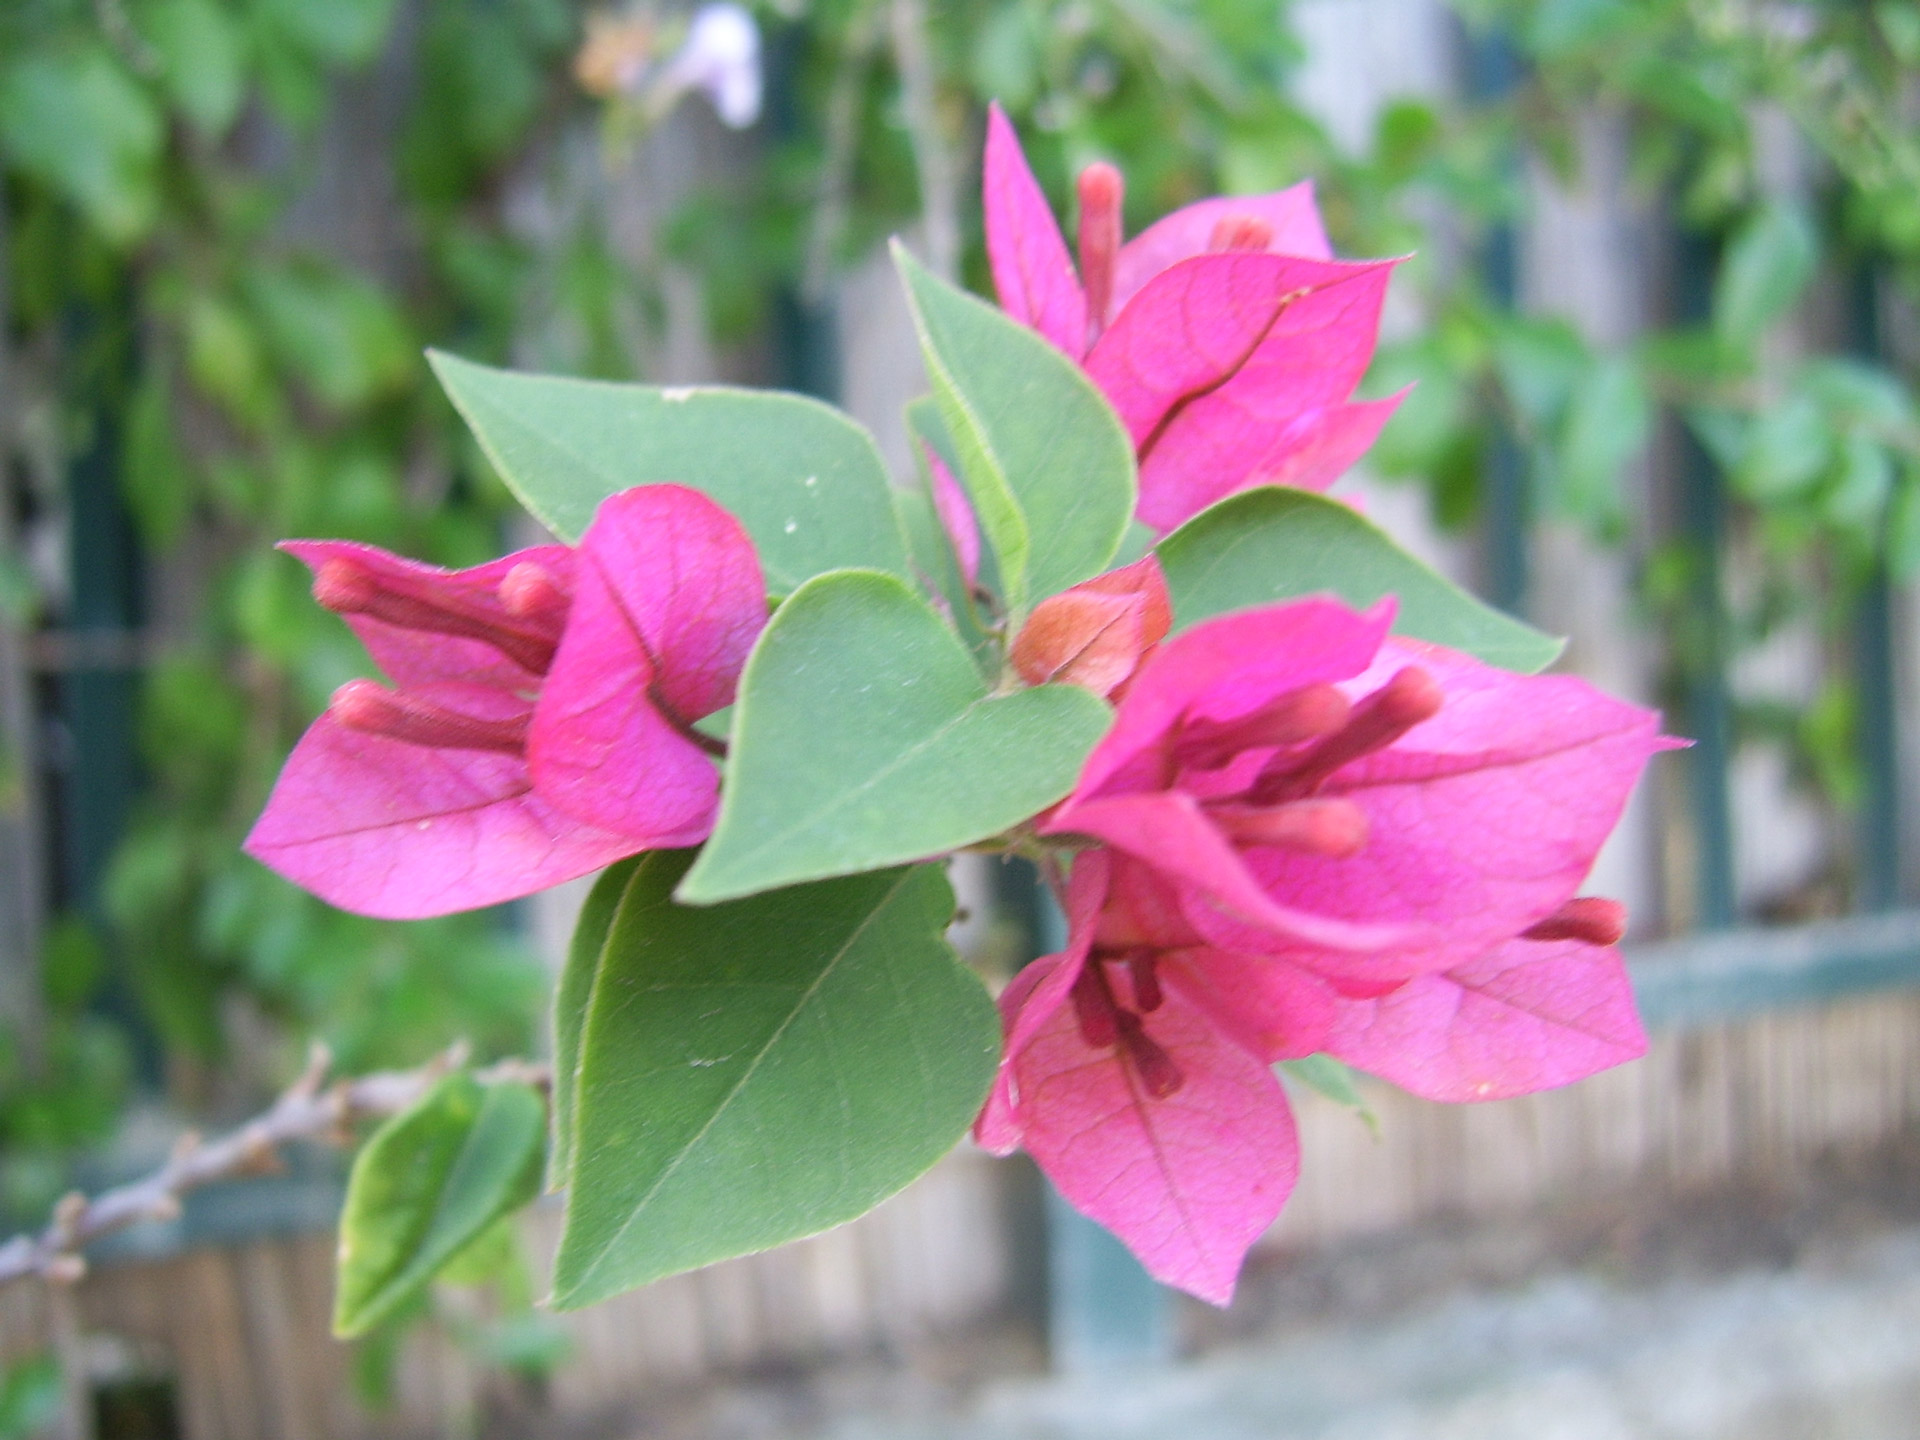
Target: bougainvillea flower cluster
(1314, 838)
(1280, 823)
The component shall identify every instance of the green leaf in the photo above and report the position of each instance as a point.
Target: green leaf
(570, 1007)
(425, 1184)
(806, 482)
(337, 32)
(334, 329)
(933, 551)
(1767, 265)
(763, 1070)
(1788, 446)
(864, 736)
(1269, 544)
(1327, 1076)
(202, 58)
(75, 119)
(1042, 455)
(1607, 424)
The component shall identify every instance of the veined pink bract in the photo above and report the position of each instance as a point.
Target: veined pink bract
(1314, 837)
(541, 727)
(1226, 335)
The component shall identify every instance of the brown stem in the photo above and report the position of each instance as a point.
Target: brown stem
(309, 1109)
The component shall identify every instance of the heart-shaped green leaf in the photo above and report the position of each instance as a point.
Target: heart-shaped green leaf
(570, 1007)
(425, 1184)
(1271, 543)
(1046, 462)
(864, 736)
(806, 482)
(759, 1071)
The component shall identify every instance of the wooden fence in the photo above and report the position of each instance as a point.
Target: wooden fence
(1777, 1050)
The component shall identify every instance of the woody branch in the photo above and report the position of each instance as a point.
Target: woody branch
(309, 1109)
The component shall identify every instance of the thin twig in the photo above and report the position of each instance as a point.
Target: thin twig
(309, 1109)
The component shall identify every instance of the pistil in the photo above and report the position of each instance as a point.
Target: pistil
(1588, 918)
(530, 592)
(1334, 828)
(1309, 713)
(1152, 1064)
(374, 709)
(348, 588)
(1383, 717)
(1100, 193)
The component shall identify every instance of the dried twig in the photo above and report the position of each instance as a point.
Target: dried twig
(309, 1109)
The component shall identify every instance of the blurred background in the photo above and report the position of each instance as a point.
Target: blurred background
(1662, 316)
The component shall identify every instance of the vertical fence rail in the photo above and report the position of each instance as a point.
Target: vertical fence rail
(1875, 671)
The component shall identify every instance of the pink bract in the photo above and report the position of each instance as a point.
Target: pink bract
(421, 801)
(1311, 835)
(668, 601)
(1259, 762)
(1225, 334)
(1174, 1137)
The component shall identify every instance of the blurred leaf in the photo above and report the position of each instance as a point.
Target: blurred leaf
(1608, 422)
(202, 53)
(334, 329)
(72, 963)
(426, 1184)
(78, 121)
(1768, 263)
(31, 1397)
(156, 478)
(225, 359)
(1862, 484)
(1540, 363)
(1903, 526)
(1327, 1076)
(337, 32)
(1787, 447)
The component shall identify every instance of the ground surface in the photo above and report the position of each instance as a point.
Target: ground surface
(1752, 1315)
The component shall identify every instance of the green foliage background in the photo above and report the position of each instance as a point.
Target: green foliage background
(154, 151)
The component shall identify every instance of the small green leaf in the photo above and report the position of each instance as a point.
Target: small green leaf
(1767, 265)
(1269, 544)
(1607, 424)
(338, 32)
(864, 736)
(425, 1184)
(202, 55)
(76, 120)
(806, 482)
(1788, 447)
(1042, 455)
(1328, 1077)
(570, 1007)
(759, 1071)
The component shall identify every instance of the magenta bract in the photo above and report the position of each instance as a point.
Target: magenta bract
(1315, 837)
(422, 800)
(1225, 334)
